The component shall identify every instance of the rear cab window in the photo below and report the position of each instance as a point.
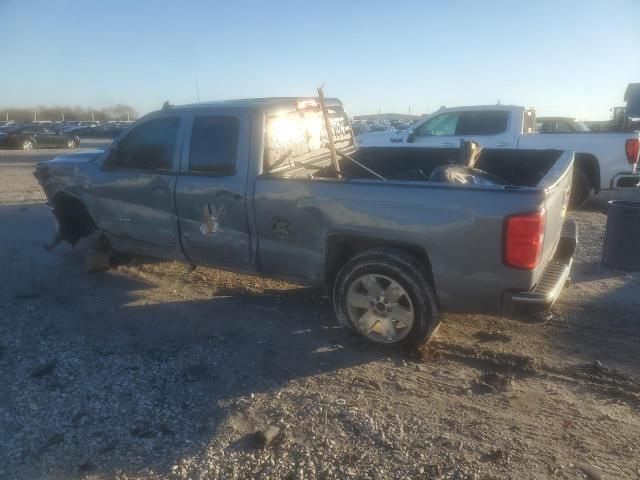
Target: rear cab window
(299, 137)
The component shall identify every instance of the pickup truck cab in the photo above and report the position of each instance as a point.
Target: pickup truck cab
(248, 186)
(603, 160)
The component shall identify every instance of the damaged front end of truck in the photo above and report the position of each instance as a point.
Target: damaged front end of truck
(66, 186)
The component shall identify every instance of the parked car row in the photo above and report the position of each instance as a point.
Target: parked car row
(96, 129)
(30, 136)
(6, 124)
(371, 126)
(27, 136)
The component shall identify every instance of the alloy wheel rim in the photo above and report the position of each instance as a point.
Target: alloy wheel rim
(27, 145)
(380, 308)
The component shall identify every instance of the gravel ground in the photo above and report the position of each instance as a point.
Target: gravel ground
(149, 371)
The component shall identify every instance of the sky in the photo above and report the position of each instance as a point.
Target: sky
(563, 57)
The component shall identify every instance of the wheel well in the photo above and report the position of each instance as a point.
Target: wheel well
(589, 165)
(341, 248)
(73, 217)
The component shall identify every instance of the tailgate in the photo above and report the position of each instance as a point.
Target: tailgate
(557, 185)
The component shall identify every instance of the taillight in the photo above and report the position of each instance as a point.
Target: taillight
(523, 239)
(632, 148)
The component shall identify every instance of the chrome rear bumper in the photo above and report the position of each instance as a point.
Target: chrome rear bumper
(625, 180)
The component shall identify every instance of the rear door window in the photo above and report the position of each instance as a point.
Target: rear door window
(482, 122)
(214, 143)
(149, 146)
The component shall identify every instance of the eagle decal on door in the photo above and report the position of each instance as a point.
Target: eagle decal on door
(211, 220)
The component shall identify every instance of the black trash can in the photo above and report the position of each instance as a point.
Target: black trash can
(622, 238)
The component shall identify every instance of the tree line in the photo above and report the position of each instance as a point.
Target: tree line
(65, 113)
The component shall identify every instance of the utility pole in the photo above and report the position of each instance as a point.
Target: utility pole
(197, 91)
(128, 117)
(62, 116)
(35, 117)
(92, 117)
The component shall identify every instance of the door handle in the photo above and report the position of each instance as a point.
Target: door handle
(447, 144)
(503, 144)
(160, 187)
(235, 196)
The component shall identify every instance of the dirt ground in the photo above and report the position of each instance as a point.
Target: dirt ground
(150, 371)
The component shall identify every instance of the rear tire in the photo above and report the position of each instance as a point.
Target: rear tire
(580, 189)
(384, 296)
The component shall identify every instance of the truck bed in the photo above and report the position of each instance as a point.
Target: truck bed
(522, 168)
(452, 223)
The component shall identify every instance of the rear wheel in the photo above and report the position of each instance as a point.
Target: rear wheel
(385, 297)
(28, 145)
(580, 189)
(72, 143)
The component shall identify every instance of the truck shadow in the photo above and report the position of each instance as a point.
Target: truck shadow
(123, 374)
(120, 379)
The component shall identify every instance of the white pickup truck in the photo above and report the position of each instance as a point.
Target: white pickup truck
(603, 160)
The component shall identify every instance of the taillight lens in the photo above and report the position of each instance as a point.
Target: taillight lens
(632, 147)
(524, 238)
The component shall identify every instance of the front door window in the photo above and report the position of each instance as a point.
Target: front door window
(149, 146)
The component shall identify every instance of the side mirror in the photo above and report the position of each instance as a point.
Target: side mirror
(411, 137)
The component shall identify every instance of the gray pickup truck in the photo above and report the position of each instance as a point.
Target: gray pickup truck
(248, 186)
